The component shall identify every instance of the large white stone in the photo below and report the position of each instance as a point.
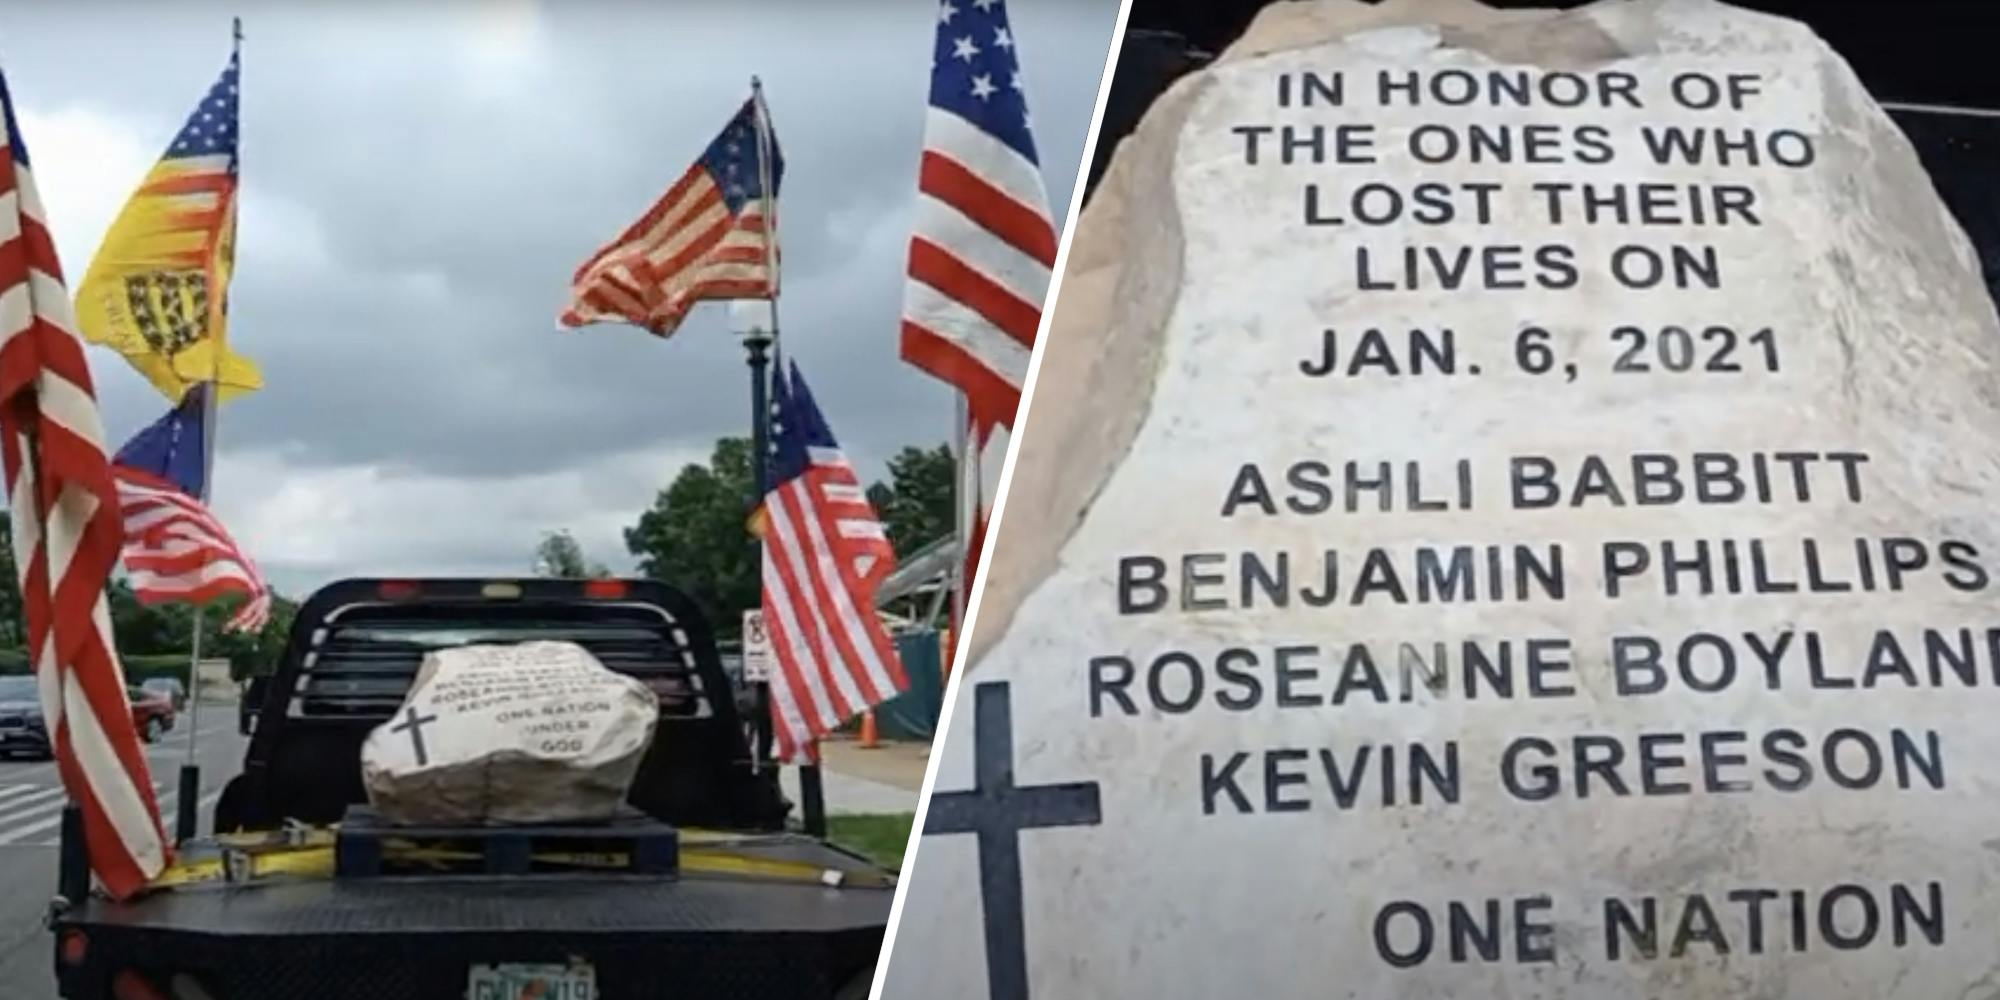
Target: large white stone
(538, 732)
(1194, 291)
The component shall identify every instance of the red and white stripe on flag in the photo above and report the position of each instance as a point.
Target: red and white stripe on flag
(67, 535)
(980, 260)
(711, 236)
(176, 551)
(824, 555)
(984, 244)
(686, 249)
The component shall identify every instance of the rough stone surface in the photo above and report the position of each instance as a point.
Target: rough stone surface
(538, 732)
(1808, 735)
(1104, 340)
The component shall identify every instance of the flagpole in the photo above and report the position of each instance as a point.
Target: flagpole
(211, 410)
(970, 483)
(812, 808)
(187, 816)
(758, 343)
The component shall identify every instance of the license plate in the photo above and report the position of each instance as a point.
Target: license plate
(515, 981)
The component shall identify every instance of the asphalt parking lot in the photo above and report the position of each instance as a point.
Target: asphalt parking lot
(31, 801)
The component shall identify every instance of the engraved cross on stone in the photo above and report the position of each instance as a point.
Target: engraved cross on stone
(997, 810)
(414, 724)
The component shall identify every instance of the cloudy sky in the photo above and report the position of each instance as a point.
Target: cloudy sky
(419, 183)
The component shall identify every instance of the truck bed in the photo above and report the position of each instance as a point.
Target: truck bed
(369, 921)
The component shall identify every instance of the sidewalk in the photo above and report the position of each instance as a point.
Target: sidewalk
(887, 779)
(899, 763)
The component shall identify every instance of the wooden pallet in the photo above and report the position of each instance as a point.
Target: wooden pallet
(367, 846)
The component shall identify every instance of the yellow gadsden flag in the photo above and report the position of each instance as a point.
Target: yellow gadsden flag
(157, 290)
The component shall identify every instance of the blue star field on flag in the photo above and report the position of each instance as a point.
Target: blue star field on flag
(211, 127)
(732, 159)
(975, 75)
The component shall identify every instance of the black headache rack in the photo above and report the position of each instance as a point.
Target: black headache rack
(356, 646)
(648, 933)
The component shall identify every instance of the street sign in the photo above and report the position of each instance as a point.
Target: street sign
(756, 647)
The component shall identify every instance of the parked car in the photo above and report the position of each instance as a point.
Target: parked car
(746, 695)
(153, 712)
(169, 686)
(23, 730)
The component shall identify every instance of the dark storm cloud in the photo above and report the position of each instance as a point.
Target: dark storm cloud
(377, 123)
(429, 180)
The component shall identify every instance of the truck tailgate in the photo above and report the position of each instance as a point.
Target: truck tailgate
(645, 937)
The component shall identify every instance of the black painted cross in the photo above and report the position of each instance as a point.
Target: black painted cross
(997, 810)
(414, 724)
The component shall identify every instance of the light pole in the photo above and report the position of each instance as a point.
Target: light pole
(756, 321)
(752, 320)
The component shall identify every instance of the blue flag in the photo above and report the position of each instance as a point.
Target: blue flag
(173, 448)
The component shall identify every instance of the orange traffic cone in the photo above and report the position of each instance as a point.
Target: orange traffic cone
(870, 739)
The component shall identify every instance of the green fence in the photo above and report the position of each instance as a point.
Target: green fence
(913, 715)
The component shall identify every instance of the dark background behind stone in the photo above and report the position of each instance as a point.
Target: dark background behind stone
(1921, 53)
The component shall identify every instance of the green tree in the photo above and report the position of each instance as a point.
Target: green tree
(147, 628)
(253, 653)
(916, 505)
(161, 629)
(559, 555)
(13, 626)
(695, 536)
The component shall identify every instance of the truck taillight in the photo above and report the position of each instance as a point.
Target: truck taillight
(605, 589)
(73, 947)
(129, 985)
(396, 590)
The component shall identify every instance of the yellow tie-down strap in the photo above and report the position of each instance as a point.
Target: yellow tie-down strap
(308, 852)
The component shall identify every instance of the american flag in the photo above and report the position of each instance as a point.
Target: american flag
(824, 554)
(175, 549)
(713, 235)
(983, 248)
(66, 537)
